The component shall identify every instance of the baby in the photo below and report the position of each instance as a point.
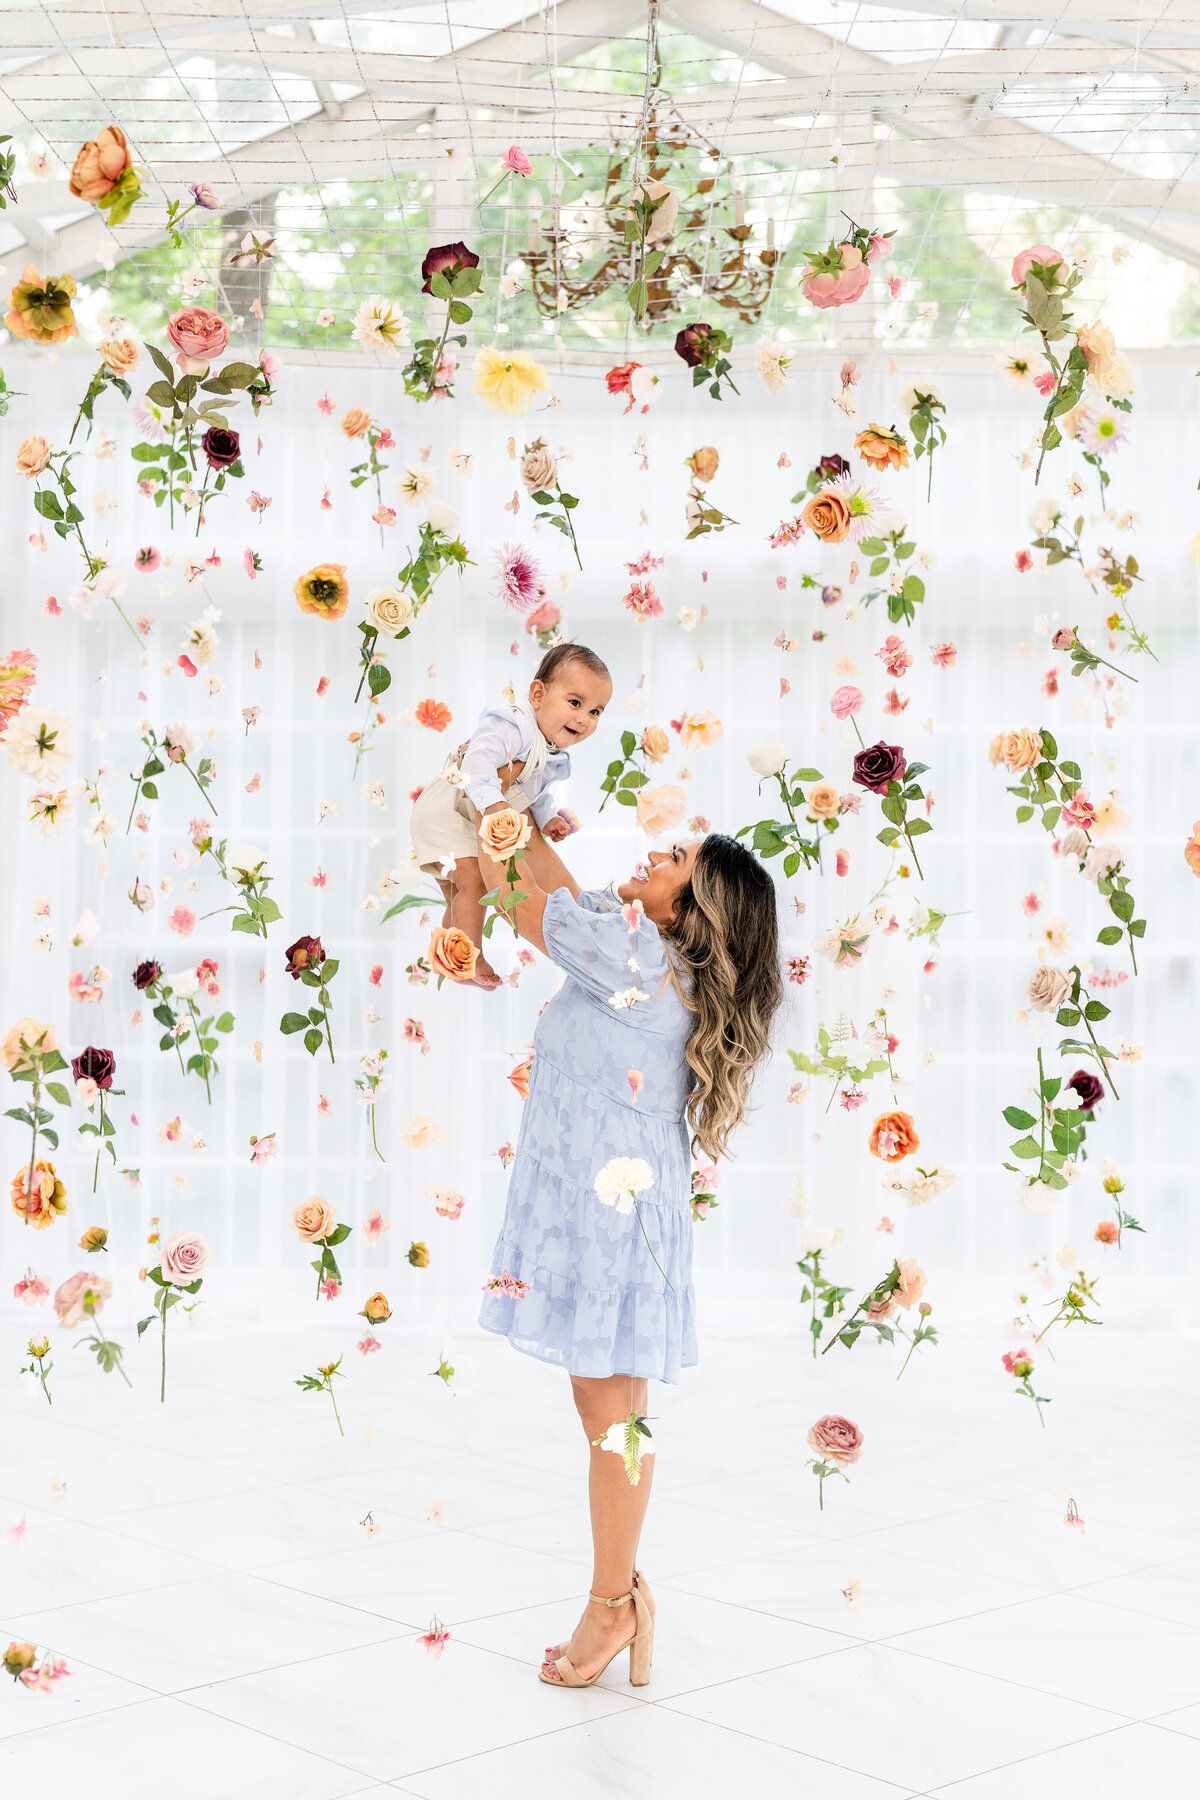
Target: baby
(514, 756)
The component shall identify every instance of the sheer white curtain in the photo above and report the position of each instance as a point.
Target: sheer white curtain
(961, 1043)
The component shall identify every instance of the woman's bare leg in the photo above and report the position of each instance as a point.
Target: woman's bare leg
(617, 1510)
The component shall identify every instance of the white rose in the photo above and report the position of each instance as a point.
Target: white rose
(908, 399)
(1036, 1197)
(766, 757)
(247, 863)
(815, 1238)
(443, 518)
(642, 384)
(184, 984)
(389, 610)
(142, 896)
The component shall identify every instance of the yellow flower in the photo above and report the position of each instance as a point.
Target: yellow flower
(507, 381)
(41, 309)
(324, 591)
(418, 1256)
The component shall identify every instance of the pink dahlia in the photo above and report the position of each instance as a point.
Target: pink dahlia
(519, 580)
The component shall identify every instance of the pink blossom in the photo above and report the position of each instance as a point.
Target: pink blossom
(183, 920)
(323, 1106)
(31, 1289)
(1045, 383)
(787, 532)
(842, 862)
(414, 1033)
(1043, 254)
(1079, 810)
(1050, 683)
(186, 664)
(895, 286)
(1023, 561)
(326, 405)
(798, 969)
(270, 364)
(518, 580)
(507, 1285)
(264, 1148)
(1031, 905)
(852, 1098)
(374, 1226)
(322, 687)
(893, 704)
(848, 375)
(846, 702)
(384, 515)
(250, 563)
(636, 1082)
(516, 161)
(331, 1288)
(781, 582)
(385, 440)
(944, 656)
(894, 656)
(368, 1343)
(45, 1677)
(506, 1153)
(79, 988)
(376, 975)
(326, 502)
(543, 618)
(643, 600)
(435, 1639)
(825, 289)
(147, 559)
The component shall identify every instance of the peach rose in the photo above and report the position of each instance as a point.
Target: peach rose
(705, 462)
(314, 1219)
(100, 165)
(502, 834)
(198, 336)
(828, 515)
(79, 1296)
(912, 1283)
(882, 449)
(451, 953)
(422, 1132)
(903, 1132)
(655, 744)
(825, 288)
(33, 453)
(356, 422)
(822, 800)
(702, 728)
(1043, 254)
(1098, 345)
(660, 809)
(120, 355)
(43, 1199)
(30, 1033)
(836, 1440)
(1020, 750)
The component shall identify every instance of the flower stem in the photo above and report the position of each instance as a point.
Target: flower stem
(34, 1108)
(368, 651)
(1099, 1052)
(637, 1209)
(915, 857)
(162, 1386)
(374, 1139)
(337, 1415)
(212, 809)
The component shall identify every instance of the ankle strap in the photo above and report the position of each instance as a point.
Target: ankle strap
(605, 1601)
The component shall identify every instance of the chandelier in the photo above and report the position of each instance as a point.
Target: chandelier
(706, 253)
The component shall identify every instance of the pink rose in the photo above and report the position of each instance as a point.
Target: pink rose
(846, 702)
(198, 336)
(516, 161)
(1044, 254)
(184, 1258)
(543, 618)
(836, 1440)
(880, 246)
(80, 1295)
(1079, 810)
(826, 290)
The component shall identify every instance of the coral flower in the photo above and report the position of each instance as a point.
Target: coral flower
(324, 591)
(506, 381)
(40, 1201)
(893, 1137)
(18, 678)
(435, 715)
(882, 449)
(519, 1077)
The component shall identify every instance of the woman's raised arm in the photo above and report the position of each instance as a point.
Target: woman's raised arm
(539, 873)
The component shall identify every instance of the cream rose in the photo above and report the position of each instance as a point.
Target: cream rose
(659, 809)
(33, 453)
(503, 834)
(705, 462)
(766, 757)
(1098, 345)
(822, 800)
(828, 515)
(1049, 988)
(356, 421)
(35, 1037)
(389, 610)
(539, 469)
(121, 355)
(314, 1219)
(665, 212)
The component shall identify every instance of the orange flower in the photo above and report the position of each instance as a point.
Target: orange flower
(660, 809)
(912, 1283)
(41, 1200)
(100, 165)
(323, 591)
(432, 713)
(882, 449)
(1106, 1232)
(40, 307)
(452, 953)
(505, 833)
(656, 744)
(828, 515)
(1191, 849)
(702, 728)
(899, 1127)
(520, 1077)
(356, 422)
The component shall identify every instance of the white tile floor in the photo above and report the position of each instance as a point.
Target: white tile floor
(232, 1632)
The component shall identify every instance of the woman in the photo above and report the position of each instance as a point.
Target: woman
(672, 982)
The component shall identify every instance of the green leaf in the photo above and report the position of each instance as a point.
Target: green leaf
(330, 967)
(1121, 904)
(312, 1042)
(459, 312)
(58, 1092)
(292, 1022)
(1066, 1015)
(624, 798)
(918, 827)
(379, 679)
(1020, 1121)
(791, 863)
(1095, 1010)
(406, 904)
(1049, 745)
(1024, 813)
(162, 393)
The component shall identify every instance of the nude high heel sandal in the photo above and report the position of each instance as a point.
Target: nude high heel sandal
(554, 1651)
(641, 1645)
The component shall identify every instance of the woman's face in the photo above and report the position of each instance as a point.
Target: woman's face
(658, 881)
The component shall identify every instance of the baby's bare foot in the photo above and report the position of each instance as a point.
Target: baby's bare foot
(485, 976)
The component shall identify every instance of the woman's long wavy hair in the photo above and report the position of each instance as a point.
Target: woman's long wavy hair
(725, 937)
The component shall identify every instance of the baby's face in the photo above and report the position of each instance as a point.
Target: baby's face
(570, 707)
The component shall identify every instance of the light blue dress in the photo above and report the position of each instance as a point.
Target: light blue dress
(597, 1303)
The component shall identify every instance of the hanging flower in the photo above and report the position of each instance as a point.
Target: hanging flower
(104, 175)
(506, 381)
(519, 579)
(882, 448)
(41, 309)
(324, 591)
(378, 325)
(18, 678)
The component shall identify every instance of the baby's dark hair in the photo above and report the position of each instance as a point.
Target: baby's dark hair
(557, 661)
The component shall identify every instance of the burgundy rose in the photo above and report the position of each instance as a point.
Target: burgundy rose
(221, 446)
(692, 344)
(145, 975)
(305, 953)
(95, 1065)
(446, 259)
(875, 767)
(830, 467)
(1089, 1087)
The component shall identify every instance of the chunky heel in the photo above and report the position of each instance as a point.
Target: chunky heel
(641, 1644)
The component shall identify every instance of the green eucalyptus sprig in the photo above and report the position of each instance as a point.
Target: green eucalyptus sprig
(929, 433)
(890, 554)
(773, 837)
